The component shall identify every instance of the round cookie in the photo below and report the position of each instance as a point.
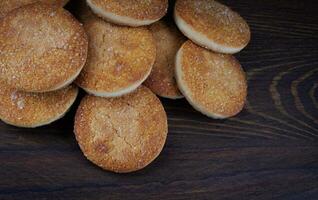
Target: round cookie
(121, 134)
(212, 25)
(119, 58)
(8, 5)
(213, 83)
(161, 80)
(32, 110)
(126, 12)
(42, 48)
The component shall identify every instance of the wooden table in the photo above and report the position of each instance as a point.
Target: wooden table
(269, 151)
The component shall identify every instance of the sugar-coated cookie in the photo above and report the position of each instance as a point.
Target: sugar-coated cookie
(42, 48)
(30, 110)
(119, 59)
(212, 25)
(122, 134)
(130, 13)
(213, 83)
(7, 6)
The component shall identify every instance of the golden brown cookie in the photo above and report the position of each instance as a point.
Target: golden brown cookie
(130, 13)
(121, 134)
(212, 25)
(42, 48)
(8, 5)
(119, 58)
(168, 41)
(31, 110)
(213, 83)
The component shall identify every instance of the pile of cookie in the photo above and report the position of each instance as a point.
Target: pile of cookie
(123, 54)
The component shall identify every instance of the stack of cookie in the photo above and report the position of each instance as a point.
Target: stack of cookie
(43, 48)
(120, 124)
(209, 77)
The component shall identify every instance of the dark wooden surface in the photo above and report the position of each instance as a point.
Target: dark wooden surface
(269, 151)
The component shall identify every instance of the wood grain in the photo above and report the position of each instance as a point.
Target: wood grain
(269, 151)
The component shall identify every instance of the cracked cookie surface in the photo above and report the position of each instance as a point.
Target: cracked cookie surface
(121, 134)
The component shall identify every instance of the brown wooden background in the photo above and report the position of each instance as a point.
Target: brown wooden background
(269, 151)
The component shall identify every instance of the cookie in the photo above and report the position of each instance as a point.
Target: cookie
(126, 12)
(30, 110)
(212, 25)
(8, 5)
(122, 134)
(168, 41)
(119, 58)
(42, 48)
(213, 83)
